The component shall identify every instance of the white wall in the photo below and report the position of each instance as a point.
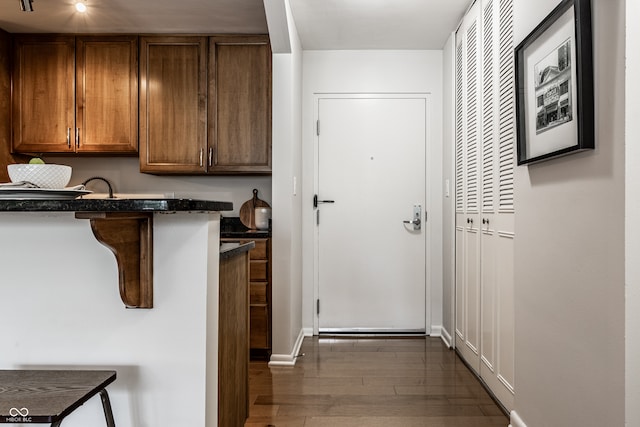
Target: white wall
(287, 211)
(375, 72)
(448, 174)
(569, 255)
(632, 225)
(124, 174)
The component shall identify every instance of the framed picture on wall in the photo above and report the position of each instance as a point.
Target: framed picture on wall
(554, 85)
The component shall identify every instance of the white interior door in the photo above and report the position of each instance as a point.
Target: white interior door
(371, 163)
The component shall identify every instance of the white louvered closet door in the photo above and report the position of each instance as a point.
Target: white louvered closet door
(468, 137)
(485, 144)
(497, 235)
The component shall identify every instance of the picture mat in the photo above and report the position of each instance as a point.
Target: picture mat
(565, 135)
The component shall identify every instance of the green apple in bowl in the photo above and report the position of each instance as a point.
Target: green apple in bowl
(36, 161)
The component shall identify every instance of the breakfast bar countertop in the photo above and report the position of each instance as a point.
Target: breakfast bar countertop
(229, 250)
(113, 205)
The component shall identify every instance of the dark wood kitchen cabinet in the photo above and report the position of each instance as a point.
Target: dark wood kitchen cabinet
(75, 94)
(240, 120)
(205, 105)
(173, 104)
(259, 296)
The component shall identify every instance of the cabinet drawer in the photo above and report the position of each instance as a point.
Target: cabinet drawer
(258, 270)
(259, 328)
(260, 251)
(258, 293)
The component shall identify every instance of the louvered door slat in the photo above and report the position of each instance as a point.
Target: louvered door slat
(459, 135)
(472, 120)
(507, 107)
(488, 106)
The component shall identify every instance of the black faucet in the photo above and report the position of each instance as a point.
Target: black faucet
(100, 179)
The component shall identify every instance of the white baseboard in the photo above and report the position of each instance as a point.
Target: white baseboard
(308, 332)
(446, 337)
(516, 421)
(288, 359)
(435, 331)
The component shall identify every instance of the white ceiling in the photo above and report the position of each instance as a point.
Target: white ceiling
(322, 24)
(376, 24)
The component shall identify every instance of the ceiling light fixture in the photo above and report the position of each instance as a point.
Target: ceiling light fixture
(81, 7)
(26, 6)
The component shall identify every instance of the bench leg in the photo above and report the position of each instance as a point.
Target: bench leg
(106, 406)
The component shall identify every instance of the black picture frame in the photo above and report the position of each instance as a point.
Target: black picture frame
(554, 85)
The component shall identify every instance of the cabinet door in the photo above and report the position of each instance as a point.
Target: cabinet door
(173, 104)
(240, 105)
(107, 94)
(468, 162)
(43, 100)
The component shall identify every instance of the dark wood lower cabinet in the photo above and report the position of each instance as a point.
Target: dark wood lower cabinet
(260, 297)
(233, 341)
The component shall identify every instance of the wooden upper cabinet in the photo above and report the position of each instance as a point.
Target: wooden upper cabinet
(205, 105)
(107, 94)
(75, 94)
(173, 104)
(240, 104)
(43, 99)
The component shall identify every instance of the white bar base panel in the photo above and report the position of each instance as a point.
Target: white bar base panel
(288, 359)
(515, 420)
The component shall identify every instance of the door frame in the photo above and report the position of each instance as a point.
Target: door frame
(428, 203)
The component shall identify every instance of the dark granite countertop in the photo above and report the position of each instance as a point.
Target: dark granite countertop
(232, 228)
(229, 250)
(249, 234)
(114, 205)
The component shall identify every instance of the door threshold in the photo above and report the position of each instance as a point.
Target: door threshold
(371, 332)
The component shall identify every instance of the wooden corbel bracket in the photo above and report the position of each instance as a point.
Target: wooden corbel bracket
(130, 238)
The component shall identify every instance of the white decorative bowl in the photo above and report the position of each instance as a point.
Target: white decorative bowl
(44, 176)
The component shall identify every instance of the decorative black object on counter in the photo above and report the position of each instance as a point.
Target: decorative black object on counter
(114, 205)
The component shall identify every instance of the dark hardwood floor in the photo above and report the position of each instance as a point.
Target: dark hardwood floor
(365, 382)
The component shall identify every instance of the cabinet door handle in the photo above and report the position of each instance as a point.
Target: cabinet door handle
(69, 137)
(201, 156)
(77, 137)
(210, 156)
